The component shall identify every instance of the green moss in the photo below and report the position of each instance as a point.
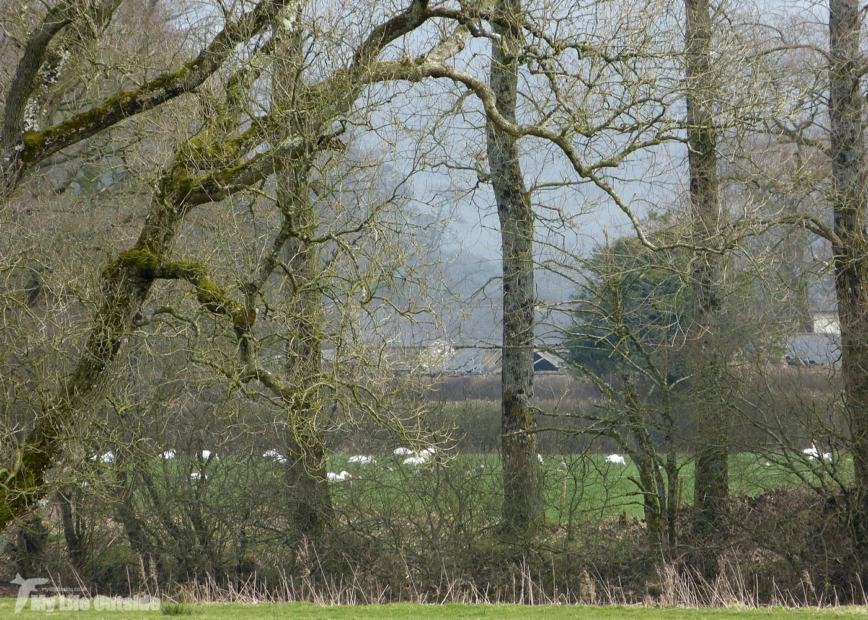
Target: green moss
(183, 270)
(207, 152)
(33, 141)
(208, 293)
(146, 265)
(142, 261)
(82, 125)
(213, 296)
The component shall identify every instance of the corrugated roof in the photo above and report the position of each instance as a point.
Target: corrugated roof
(474, 361)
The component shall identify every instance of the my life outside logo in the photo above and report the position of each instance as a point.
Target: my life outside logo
(59, 600)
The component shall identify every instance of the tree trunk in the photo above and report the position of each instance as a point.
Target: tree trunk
(650, 482)
(311, 512)
(522, 496)
(311, 505)
(849, 182)
(126, 284)
(711, 482)
(74, 528)
(32, 543)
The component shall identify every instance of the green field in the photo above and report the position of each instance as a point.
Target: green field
(575, 486)
(588, 485)
(306, 611)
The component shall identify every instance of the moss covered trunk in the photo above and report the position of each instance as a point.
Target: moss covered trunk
(127, 281)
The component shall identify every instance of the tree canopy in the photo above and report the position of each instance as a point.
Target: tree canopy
(633, 302)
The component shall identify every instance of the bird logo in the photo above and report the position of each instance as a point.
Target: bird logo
(25, 587)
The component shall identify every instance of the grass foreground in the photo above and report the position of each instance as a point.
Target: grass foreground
(308, 611)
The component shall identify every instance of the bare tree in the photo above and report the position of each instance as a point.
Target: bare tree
(628, 339)
(231, 150)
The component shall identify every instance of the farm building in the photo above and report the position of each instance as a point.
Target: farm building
(821, 347)
(477, 361)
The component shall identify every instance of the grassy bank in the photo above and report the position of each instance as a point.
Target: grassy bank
(306, 611)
